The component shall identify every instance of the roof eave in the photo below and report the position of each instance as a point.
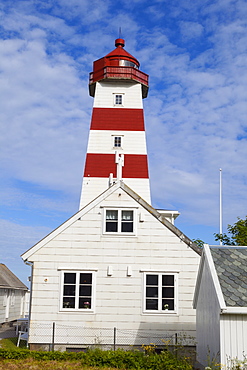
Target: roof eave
(234, 310)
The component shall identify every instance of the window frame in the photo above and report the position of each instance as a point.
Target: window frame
(119, 222)
(117, 138)
(77, 286)
(160, 311)
(117, 96)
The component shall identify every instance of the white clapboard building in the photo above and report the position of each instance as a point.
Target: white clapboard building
(118, 272)
(221, 305)
(13, 296)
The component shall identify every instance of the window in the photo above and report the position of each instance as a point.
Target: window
(117, 141)
(118, 99)
(127, 63)
(77, 290)
(160, 292)
(119, 221)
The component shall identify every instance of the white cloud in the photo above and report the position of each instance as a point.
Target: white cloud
(196, 111)
(15, 239)
(190, 30)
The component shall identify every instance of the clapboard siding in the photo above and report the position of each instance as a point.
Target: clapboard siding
(208, 324)
(104, 94)
(119, 298)
(233, 336)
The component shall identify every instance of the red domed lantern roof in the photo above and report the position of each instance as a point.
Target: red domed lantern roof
(121, 54)
(118, 65)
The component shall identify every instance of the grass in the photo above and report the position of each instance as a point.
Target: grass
(12, 358)
(10, 343)
(30, 364)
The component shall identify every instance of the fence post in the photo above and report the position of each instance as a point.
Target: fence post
(114, 339)
(176, 338)
(53, 336)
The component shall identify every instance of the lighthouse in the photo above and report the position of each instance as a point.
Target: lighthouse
(117, 141)
(117, 262)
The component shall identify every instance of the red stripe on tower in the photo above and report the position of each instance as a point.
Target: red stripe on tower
(123, 119)
(101, 165)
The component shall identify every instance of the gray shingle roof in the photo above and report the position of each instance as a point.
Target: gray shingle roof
(9, 280)
(231, 268)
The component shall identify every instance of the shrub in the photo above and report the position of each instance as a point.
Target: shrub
(119, 359)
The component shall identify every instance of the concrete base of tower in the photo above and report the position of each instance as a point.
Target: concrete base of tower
(92, 187)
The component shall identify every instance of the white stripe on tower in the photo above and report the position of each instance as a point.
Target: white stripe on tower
(117, 124)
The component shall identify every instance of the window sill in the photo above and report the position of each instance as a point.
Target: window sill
(167, 313)
(80, 310)
(118, 234)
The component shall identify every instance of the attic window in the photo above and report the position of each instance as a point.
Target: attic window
(119, 221)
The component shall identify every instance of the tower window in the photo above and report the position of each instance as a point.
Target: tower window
(118, 99)
(117, 141)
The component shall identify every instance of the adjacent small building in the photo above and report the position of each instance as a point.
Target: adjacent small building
(13, 295)
(221, 304)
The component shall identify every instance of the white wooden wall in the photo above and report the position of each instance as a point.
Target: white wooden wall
(233, 330)
(12, 304)
(132, 94)
(118, 297)
(207, 319)
(2, 305)
(133, 142)
(94, 185)
(16, 307)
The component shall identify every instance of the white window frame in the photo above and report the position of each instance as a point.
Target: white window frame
(113, 141)
(117, 138)
(175, 299)
(78, 272)
(119, 232)
(115, 99)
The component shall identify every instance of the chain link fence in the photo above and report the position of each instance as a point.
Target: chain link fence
(55, 334)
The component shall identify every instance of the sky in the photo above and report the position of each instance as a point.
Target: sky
(195, 53)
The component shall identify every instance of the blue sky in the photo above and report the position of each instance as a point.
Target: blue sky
(195, 53)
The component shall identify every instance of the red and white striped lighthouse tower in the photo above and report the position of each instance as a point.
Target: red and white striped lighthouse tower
(117, 141)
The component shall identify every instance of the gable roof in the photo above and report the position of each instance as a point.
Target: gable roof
(231, 267)
(228, 268)
(97, 200)
(8, 280)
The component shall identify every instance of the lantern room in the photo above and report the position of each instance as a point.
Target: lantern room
(118, 65)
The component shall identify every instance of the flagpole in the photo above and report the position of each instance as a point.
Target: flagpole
(221, 205)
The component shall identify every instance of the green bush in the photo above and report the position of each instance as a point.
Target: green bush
(119, 359)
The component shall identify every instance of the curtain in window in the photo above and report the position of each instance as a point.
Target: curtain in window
(112, 215)
(127, 215)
